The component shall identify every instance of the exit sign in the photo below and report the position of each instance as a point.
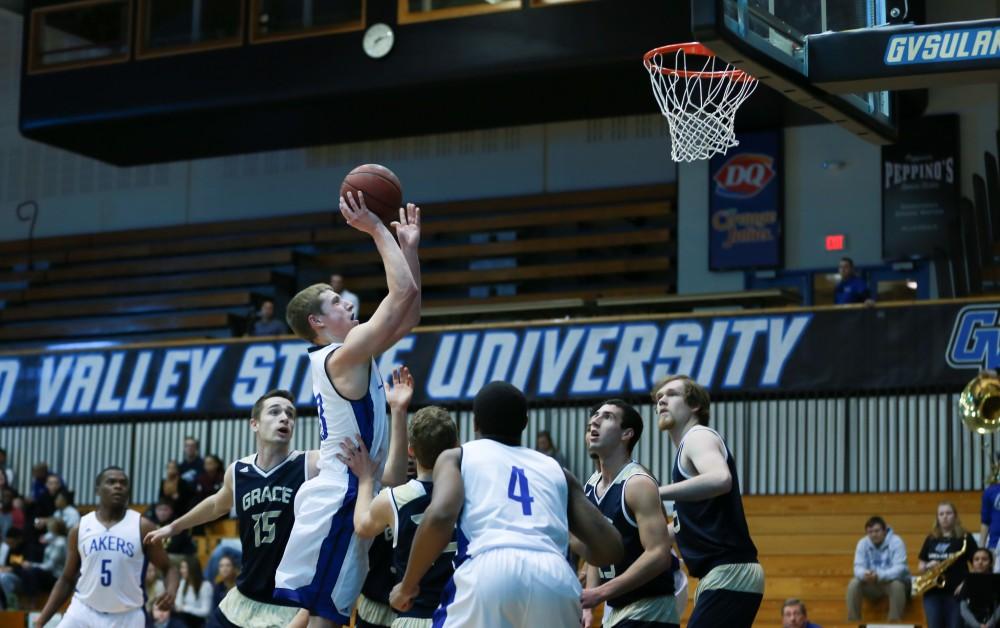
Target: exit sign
(835, 242)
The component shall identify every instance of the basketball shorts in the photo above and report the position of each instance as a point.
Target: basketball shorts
(79, 615)
(325, 563)
(511, 588)
(372, 614)
(728, 595)
(237, 609)
(651, 612)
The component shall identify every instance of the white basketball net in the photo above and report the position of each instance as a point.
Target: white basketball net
(700, 106)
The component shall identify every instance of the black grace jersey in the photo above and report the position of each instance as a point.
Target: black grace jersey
(265, 507)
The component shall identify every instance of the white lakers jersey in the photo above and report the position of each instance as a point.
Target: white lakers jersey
(112, 564)
(514, 497)
(341, 418)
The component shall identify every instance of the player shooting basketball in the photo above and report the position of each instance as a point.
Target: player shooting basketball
(327, 563)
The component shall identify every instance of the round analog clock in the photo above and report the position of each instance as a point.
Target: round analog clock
(378, 40)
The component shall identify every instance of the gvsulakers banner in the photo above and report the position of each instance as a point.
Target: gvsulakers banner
(937, 346)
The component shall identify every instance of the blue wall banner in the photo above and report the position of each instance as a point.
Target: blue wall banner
(745, 205)
(830, 350)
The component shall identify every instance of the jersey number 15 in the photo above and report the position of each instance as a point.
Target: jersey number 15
(264, 528)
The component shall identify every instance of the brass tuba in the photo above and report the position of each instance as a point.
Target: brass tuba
(934, 577)
(979, 404)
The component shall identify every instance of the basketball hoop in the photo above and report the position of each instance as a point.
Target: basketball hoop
(699, 105)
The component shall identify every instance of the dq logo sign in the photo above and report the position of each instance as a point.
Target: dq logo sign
(975, 338)
(745, 175)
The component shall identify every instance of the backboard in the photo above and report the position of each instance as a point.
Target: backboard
(770, 40)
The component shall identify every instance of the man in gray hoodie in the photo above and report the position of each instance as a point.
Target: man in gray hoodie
(879, 571)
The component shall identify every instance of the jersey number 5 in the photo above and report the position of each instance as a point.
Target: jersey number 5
(518, 489)
(263, 528)
(105, 572)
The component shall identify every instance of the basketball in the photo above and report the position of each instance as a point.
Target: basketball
(381, 187)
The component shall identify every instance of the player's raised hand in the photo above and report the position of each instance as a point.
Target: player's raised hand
(400, 393)
(159, 535)
(402, 600)
(357, 214)
(355, 455)
(408, 226)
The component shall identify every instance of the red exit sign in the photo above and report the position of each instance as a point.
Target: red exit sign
(835, 242)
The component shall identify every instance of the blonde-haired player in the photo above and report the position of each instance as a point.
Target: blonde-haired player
(326, 563)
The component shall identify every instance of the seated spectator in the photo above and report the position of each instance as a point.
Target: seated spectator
(879, 571)
(175, 490)
(191, 463)
(544, 444)
(39, 473)
(11, 554)
(7, 494)
(980, 607)
(165, 619)
(793, 615)
(210, 479)
(946, 538)
(228, 572)
(194, 597)
(230, 548)
(31, 578)
(179, 545)
(153, 586)
(65, 511)
(7, 472)
(265, 324)
(337, 283)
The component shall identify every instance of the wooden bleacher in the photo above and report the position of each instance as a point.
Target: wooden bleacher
(806, 545)
(577, 253)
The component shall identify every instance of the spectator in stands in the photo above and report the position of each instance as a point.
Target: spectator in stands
(11, 554)
(851, 288)
(793, 615)
(210, 479)
(192, 464)
(175, 490)
(980, 607)
(194, 596)
(12, 509)
(31, 578)
(6, 507)
(8, 473)
(228, 572)
(544, 444)
(64, 511)
(39, 473)
(265, 324)
(165, 619)
(989, 531)
(879, 571)
(153, 586)
(230, 548)
(337, 284)
(946, 538)
(179, 545)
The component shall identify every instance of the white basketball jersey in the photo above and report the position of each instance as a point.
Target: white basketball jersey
(112, 564)
(341, 418)
(514, 497)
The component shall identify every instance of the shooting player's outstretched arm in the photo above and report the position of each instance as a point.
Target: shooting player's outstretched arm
(392, 315)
